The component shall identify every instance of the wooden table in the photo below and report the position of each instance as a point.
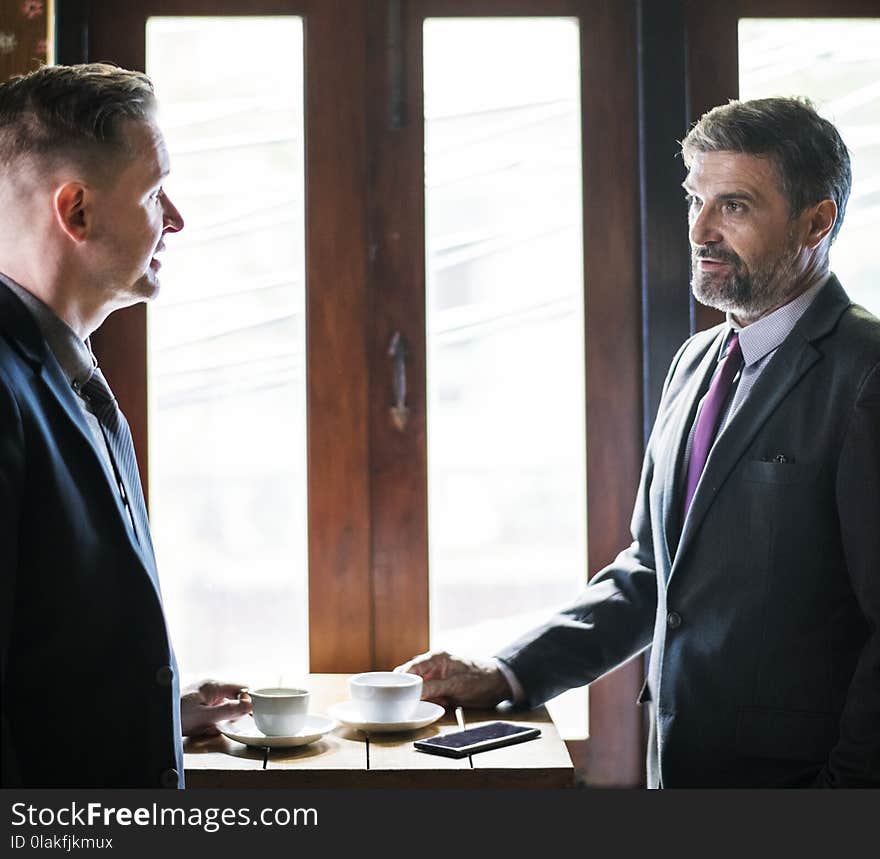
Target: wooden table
(348, 758)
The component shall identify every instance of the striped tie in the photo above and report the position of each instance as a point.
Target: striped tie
(118, 435)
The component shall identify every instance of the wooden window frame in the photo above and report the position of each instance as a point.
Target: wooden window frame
(614, 753)
(368, 583)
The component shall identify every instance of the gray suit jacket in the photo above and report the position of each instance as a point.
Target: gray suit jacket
(764, 614)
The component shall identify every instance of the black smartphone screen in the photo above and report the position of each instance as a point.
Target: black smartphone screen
(458, 744)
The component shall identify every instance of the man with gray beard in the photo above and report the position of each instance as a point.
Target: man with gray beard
(754, 571)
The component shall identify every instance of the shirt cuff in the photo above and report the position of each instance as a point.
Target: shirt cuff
(519, 694)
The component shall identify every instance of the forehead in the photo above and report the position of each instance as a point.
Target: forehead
(728, 172)
(147, 153)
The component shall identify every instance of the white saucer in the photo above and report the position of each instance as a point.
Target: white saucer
(244, 730)
(347, 712)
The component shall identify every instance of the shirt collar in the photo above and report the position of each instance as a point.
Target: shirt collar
(764, 336)
(74, 355)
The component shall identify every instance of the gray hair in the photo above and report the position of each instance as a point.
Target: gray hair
(807, 151)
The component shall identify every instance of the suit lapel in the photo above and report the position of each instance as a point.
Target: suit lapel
(793, 359)
(56, 382)
(25, 336)
(678, 432)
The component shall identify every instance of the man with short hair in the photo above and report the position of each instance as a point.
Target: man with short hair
(754, 572)
(90, 694)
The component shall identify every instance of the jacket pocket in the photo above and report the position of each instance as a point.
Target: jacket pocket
(796, 735)
(759, 471)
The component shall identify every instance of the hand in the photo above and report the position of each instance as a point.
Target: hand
(209, 702)
(450, 680)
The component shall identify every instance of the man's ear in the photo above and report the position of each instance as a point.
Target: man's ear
(822, 218)
(72, 212)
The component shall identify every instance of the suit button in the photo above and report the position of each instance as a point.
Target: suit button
(673, 620)
(165, 676)
(169, 778)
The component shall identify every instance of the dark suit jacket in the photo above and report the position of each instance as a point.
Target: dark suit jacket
(89, 688)
(764, 614)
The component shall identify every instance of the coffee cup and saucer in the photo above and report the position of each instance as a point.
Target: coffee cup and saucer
(386, 701)
(280, 719)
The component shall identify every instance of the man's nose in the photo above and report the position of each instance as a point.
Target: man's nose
(171, 217)
(704, 227)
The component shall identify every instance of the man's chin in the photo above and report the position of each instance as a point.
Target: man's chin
(147, 288)
(744, 311)
(714, 295)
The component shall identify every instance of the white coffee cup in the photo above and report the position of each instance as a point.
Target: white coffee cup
(386, 696)
(280, 711)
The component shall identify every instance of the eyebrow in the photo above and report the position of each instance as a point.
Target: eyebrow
(730, 195)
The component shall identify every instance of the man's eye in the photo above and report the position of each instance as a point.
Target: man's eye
(692, 201)
(734, 206)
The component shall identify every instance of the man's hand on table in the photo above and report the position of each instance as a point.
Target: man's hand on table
(209, 702)
(451, 680)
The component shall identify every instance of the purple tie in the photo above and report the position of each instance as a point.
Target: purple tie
(710, 415)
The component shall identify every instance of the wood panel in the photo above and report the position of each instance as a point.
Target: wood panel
(24, 36)
(397, 304)
(614, 753)
(340, 604)
(804, 8)
(120, 346)
(666, 294)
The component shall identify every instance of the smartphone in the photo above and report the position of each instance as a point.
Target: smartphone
(459, 744)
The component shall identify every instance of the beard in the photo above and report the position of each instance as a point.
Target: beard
(745, 292)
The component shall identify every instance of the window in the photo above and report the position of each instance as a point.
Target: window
(369, 201)
(505, 335)
(226, 341)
